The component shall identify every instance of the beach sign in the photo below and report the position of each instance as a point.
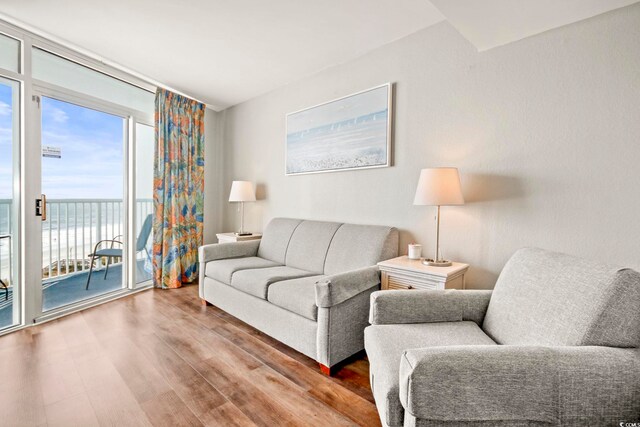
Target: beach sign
(51, 151)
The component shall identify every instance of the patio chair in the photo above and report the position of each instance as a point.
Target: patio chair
(6, 290)
(111, 252)
(2, 284)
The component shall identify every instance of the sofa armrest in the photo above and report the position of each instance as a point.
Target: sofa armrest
(340, 287)
(558, 385)
(228, 250)
(401, 306)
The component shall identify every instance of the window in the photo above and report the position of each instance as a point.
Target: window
(82, 176)
(61, 72)
(94, 161)
(9, 53)
(144, 200)
(9, 92)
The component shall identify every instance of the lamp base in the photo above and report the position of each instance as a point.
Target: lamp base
(238, 233)
(439, 263)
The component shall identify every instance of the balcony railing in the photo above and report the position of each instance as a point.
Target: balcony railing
(72, 228)
(6, 226)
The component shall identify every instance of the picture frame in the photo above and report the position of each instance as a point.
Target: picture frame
(347, 133)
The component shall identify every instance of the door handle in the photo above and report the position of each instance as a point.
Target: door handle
(41, 207)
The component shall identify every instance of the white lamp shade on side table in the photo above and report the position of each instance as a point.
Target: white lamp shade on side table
(439, 187)
(242, 191)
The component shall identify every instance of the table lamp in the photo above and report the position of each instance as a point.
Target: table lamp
(242, 191)
(438, 187)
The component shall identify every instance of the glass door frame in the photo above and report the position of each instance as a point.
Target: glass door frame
(43, 89)
(15, 240)
(19, 76)
(27, 172)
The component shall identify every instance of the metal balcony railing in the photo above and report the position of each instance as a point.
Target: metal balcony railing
(72, 228)
(6, 226)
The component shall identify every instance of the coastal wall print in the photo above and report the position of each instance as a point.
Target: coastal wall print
(353, 132)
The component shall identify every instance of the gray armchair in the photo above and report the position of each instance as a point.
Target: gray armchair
(556, 343)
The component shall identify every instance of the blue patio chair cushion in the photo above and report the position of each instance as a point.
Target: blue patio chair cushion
(145, 232)
(115, 252)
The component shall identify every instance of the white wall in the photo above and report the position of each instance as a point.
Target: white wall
(544, 131)
(213, 177)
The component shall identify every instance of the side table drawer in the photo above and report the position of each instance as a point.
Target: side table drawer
(401, 282)
(405, 273)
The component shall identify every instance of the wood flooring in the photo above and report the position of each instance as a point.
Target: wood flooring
(160, 358)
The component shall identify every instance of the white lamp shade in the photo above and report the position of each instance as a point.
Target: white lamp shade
(242, 191)
(439, 187)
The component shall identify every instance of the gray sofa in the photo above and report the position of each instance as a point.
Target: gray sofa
(555, 343)
(306, 283)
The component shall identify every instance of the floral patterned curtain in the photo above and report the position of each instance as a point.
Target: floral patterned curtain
(178, 192)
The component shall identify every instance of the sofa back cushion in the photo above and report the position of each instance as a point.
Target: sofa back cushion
(357, 246)
(276, 237)
(548, 298)
(309, 244)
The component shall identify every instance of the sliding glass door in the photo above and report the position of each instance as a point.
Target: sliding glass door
(83, 215)
(144, 202)
(9, 202)
(76, 180)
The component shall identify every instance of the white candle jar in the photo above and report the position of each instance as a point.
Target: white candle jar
(415, 251)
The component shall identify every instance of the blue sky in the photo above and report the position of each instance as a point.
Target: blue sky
(91, 166)
(5, 141)
(92, 150)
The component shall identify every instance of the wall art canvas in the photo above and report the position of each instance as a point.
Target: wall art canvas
(348, 133)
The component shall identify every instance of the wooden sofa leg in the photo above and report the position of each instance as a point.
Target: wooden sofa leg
(326, 370)
(204, 302)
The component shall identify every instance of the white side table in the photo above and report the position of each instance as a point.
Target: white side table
(405, 273)
(231, 237)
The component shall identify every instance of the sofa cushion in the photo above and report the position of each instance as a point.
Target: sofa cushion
(357, 246)
(222, 269)
(548, 298)
(276, 237)
(256, 281)
(296, 295)
(309, 244)
(385, 345)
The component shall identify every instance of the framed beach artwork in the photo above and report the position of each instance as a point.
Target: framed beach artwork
(353, 132)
